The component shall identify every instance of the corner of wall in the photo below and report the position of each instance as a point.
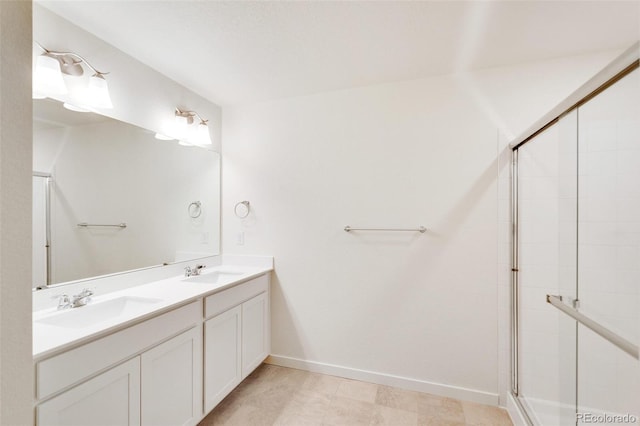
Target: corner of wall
(16, 365)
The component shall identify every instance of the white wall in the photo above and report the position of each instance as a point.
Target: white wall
(423, 152)
(112, 172)
(16, 367)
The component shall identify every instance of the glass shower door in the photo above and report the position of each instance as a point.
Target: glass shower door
(547, 255)
(608, 382)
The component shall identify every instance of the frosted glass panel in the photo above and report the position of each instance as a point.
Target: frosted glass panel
(609, 247)
(547, 263)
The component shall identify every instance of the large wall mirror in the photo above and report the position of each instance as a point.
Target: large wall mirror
(109, 197)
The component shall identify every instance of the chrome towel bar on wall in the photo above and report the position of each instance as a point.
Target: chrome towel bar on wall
(420, 229)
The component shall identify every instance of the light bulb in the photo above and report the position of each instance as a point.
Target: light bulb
(47, 77)
(181, 125)
(97, 94)
(202, 136)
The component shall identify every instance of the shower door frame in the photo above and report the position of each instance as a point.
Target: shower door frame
(47, 206)
(618, 69)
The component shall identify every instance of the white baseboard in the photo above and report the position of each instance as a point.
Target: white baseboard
(513, 408)
(386, 379)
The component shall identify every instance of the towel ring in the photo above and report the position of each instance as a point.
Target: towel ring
(242, 209)
(195, 209)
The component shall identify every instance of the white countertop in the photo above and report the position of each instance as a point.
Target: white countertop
(159, 297)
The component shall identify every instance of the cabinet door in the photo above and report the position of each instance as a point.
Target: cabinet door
(255, 332)
(172, 381)
(222, 365)
(110, 399)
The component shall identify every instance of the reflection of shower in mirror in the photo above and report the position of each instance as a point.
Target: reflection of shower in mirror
(41, 247)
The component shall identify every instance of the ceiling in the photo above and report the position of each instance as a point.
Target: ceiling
(234, 52)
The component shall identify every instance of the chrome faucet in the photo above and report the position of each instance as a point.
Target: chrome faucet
(64, 302)
(75, 301)
(196, 270)
(81, 298)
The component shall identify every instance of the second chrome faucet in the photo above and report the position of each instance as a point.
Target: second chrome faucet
(196, 270)
(75, 301)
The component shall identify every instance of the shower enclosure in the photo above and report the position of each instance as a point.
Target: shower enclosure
(576, 261)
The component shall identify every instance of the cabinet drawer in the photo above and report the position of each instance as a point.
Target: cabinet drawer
(60, 371)
(227, 299)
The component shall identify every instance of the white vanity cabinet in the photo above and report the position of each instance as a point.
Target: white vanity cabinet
(160, 384)
(111, 398)
(172, 381)
(236, 337)
(170, 369)
(255, 332)
(223, 361)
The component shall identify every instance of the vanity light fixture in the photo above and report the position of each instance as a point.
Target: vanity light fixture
(48, 80)
(195, 136)
(185, 132)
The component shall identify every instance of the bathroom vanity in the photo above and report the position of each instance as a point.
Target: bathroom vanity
(162, 353)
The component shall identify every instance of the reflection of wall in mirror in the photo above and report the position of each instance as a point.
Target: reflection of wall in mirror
(111, 172)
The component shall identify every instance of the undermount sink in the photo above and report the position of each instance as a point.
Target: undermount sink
(213, 277)
(95, 313)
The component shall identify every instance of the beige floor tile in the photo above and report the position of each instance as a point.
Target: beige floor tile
(274, 398)
(386, 416)
(262, 379)
(348, 412)
(485, 415)
(247, 415)
(293, 378)
(397, 398)
(321, 383)
(433, 409)
(306, 408)
(427, 400)
(361, 391)
(275, 376)
(247, 389)
(430, 420)
(281, 396)
(223, 411)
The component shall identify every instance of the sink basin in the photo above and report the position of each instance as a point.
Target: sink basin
(213, 277)
(95, 313)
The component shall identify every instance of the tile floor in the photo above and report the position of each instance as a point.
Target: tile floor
(274, 395)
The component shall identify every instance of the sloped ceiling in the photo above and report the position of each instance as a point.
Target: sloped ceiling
(234, 52)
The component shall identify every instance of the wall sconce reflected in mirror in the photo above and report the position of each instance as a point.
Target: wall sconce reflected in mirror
(48, 80)
(185, 132)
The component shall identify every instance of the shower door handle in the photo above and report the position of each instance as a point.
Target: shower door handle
(594, 326)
